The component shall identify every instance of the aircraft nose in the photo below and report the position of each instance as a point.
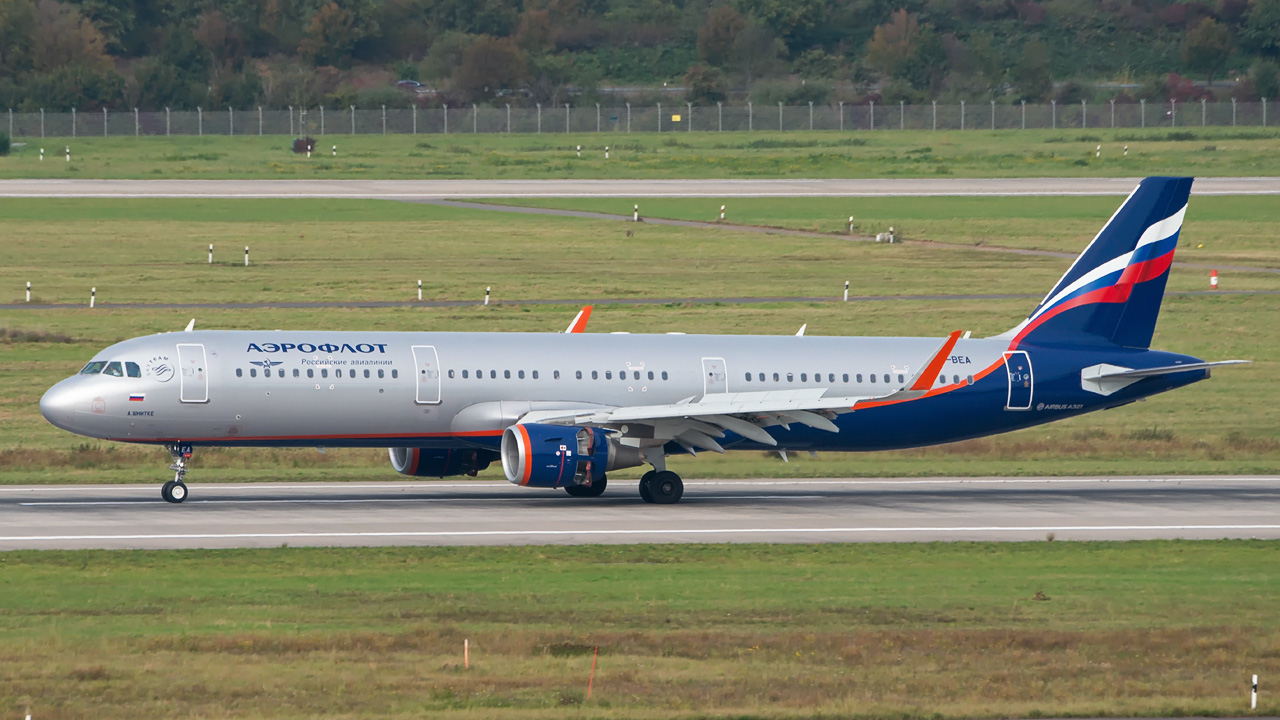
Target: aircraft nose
(58, 405)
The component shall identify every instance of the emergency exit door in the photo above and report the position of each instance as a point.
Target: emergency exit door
(1021, 386)
(427, 374)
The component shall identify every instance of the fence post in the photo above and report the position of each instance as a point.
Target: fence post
(42, 121)
(902, 114)
(104, 122)
(508, 118)
(962, 115)
(73, 122)
(166, 122)
(1113, 113)
(689, 117)
(935, 114)
(873, 114)
(993, 114)
(353, 119)
(1024, 114)
(628, 118)
(446, 119)
(322, 119)
(384, 119)
(539, 118)
(231, 122)
(259, 121)
(751, 117)
(11, 121)
(719, 116)
(137, 129)
(841, 116)
(413, 110)
(1053, 104)
(597, 117)
(200, 121)
(659, 118)
(1264, 112)
(1143, 103)
(1203, 114)
(1233, 112)
(811, 115)
(566, 118)
(475, 119)
(779, 116)
(1173, 113)
(291, 122)
(1084, 115)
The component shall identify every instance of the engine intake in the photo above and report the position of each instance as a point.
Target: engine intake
(551, 456)
(434, 462)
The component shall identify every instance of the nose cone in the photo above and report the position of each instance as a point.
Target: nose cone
(58, 405)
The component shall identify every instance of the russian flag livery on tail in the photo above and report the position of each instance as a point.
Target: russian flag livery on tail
(1112, 294)
(561, 410)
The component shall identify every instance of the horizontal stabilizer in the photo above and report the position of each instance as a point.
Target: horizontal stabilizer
(1168, 369)
(1106, 379)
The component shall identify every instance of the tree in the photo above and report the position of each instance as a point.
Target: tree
(490, 64)
(1261, 31)
(703, 85)
(66, 39)
(718, 34)
(1207, 47)
(1265, 75)
(535, 34)
(757, 51)
(17, 25)
(1031, 76)
(894, 43)
(336, 29)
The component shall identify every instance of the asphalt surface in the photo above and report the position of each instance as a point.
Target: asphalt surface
(439, 189)
(720, 511)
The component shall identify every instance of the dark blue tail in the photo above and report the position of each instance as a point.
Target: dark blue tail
(1112, 293)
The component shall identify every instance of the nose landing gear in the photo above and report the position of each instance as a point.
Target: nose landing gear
(175, 491)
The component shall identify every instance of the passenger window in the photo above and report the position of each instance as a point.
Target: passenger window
(535, 374)
(831, 377)
(295, 372)
(311, 373)
(623, 375)
(635, 375)
(506, 374)
(595, 375)
(366, 373)
(395, 373)
(465, 375)
(608, 374)
(664, 374)
(114, 370)
(886, 377)
(93, 368)
(379, 374)
(873, 378)
(901, 378)
(132, 369)
(955, 379)
(450, 374)
(761, 376)
(253, 372)
(577, 374)
(239, 372)
(556, 375)
(970, 379)
(520, 374)
(775, 377)
(844, 377)
(650, 374)
(493, 375)
(324, 373)
(266, 372)
(804, 377)
(748, 377)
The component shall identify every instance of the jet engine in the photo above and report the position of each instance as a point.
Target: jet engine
(550, 456)
(433, 462)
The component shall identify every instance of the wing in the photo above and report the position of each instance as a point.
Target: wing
(700, 424)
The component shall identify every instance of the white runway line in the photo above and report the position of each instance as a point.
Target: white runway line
(617, 532)
(395, 500)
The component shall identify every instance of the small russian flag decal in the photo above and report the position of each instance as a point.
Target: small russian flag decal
(137, 397)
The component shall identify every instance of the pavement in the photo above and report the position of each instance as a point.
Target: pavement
(459, 512)
(460, 189)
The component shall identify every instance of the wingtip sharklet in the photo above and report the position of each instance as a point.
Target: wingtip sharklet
(925, 379)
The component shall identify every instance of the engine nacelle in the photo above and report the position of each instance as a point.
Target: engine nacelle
(434, 462)
(552, 456)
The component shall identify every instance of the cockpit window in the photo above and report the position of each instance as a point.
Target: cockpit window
(93, 368)
(132, 369)
(114, 370)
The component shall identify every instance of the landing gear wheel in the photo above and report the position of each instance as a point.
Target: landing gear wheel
(666, 488)
(644, 486)
(595, 489)
(174, 492)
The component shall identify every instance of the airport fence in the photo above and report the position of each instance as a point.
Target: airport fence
(682, 117)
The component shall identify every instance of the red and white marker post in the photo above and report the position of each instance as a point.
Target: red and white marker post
(1213, 279)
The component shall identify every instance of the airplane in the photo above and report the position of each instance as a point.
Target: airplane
(561, 410)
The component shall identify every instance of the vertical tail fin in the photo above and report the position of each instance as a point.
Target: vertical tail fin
(1112, 293)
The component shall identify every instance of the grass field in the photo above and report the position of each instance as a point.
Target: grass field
(973, 153)
(868, 631)
(155, 251)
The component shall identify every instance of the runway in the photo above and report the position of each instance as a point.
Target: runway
(461, 189)
(717, 511)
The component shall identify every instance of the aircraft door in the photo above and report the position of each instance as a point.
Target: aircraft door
(1018, 364)
(427, 372)
(193, 373)
(715, 378)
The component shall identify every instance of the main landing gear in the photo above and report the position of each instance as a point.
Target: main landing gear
(595, 489)
(175, 491)
(661, 487)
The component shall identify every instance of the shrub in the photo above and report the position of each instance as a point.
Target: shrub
(304, 145)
